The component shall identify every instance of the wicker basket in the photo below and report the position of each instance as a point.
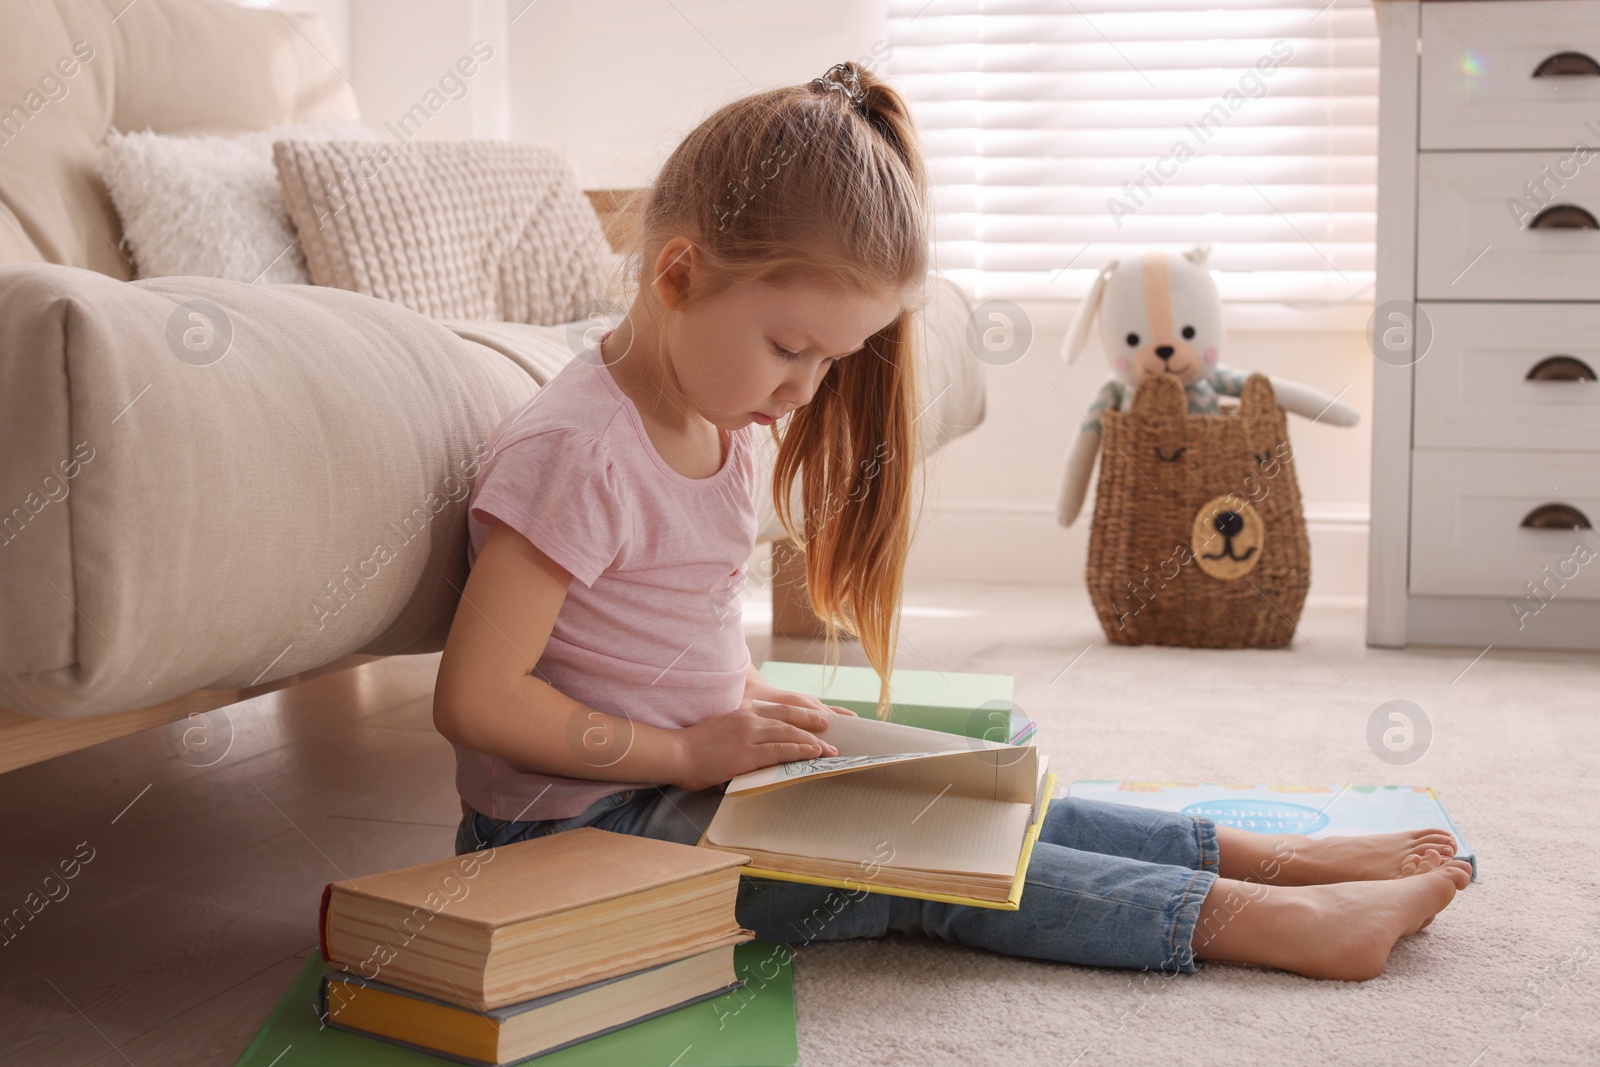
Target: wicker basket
(1198, 537)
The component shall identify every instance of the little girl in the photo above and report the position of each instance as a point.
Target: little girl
(589, 679)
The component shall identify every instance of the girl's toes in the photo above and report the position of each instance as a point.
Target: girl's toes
(1420, 862)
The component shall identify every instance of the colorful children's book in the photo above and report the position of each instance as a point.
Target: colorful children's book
(972, 705)
(750, 1026)
(1312, 810)
(900, 810)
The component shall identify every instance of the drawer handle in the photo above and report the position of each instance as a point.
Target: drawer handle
(1561, 369)
(1563, 217)
(1567, 64)
(1556, 517)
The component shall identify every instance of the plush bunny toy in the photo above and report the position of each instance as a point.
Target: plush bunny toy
(1162, 315)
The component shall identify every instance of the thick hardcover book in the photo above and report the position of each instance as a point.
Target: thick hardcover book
(503, 925)
(519, 1032)
(752, 1025)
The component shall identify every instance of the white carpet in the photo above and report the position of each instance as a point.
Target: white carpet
(1505, 975)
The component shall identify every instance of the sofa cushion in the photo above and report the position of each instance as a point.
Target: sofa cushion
(218, 66)
(453, 229)
(210, 203)
(71, 70)
(216, 484)
(57, 90)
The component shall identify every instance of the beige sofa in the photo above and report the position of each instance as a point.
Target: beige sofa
(175, 537)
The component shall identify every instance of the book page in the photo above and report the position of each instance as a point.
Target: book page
(993, 774)
(784, 773)
(865, 743)
(839, 819)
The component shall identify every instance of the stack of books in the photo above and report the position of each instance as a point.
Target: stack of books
(498, 956)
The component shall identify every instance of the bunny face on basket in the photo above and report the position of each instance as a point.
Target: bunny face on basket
(1199, 536)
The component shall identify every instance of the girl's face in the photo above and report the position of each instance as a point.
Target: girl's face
(758, 351)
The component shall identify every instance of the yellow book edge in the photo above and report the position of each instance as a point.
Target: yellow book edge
(1011, 903)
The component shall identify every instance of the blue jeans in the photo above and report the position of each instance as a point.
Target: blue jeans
(1109, 885)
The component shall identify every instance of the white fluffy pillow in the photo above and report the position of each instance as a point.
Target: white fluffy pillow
(210, 204)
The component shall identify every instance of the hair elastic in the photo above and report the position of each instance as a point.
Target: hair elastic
(846, 79)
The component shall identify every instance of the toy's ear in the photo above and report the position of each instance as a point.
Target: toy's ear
(1257, 398)
(1083, 322)
(1198, 255)
(1160, 397)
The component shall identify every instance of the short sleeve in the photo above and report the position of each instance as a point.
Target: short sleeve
(559, 488)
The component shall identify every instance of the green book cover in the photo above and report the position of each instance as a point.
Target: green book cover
(969, 705)
(751, 1026)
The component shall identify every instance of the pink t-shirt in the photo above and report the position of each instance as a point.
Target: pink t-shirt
(650, 629)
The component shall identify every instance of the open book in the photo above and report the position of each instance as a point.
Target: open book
(899, 810)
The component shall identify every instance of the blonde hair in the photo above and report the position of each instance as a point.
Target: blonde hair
(821, 181)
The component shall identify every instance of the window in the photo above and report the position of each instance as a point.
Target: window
(1062, 134)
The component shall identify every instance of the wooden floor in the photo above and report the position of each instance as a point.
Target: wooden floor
(202, 849)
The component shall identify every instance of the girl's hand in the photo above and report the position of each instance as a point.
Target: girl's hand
(748, 738)
(757, 688)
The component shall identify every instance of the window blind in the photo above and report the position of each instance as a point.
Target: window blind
(1061, 134)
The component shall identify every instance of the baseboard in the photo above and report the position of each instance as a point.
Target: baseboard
(1503, 622)
(1021, 542)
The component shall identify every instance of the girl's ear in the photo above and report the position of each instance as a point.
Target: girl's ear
(1083, 321)
(676, 262)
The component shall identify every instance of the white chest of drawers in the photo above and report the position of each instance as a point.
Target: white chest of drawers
(1486, 407)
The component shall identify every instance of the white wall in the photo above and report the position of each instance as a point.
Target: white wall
(619, 82)
(400, 49)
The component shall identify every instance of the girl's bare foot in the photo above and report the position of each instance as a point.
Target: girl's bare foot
(1428, 861)
(1341, 931)
(1294, 859)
